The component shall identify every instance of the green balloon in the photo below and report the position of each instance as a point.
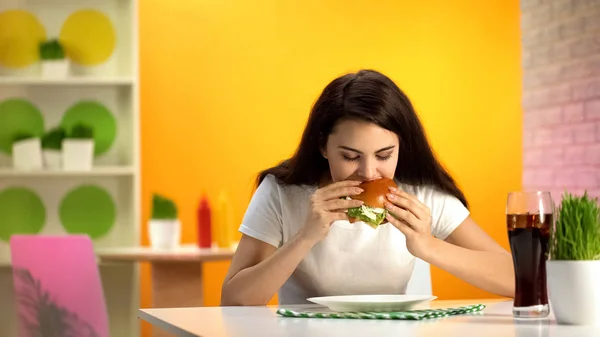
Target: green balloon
(18, 116)
(88, 210)
(21, 212)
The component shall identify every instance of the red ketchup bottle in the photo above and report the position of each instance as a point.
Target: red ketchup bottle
(204, 223)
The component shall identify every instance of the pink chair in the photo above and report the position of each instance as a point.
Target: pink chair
(57, 285)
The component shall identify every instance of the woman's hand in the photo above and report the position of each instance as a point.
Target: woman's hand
(411, 217)
(326, 206)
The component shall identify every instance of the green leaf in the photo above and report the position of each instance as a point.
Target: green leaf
(19, 136)
(576, 233)
(81, 131)
(163, 208)
(53, 138)
(51, 50)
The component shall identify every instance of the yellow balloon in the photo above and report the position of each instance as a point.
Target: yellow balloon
(20, 35)
(88, 37)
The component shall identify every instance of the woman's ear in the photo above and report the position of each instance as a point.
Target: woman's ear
(323, 146)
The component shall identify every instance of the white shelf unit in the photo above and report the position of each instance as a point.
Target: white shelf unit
(106, 171)
(69, 81)
(116, 86)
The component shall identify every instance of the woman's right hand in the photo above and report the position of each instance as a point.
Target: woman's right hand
(326, 206)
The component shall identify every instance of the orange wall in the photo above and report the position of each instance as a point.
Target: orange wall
(227, 86)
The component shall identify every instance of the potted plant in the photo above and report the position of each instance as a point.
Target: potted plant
(78, 148)
(54, 62)
(164, 226)
(573, 264)
(52, 146)
(26, 152)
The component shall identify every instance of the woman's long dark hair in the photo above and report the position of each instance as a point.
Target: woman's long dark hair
(373, 97)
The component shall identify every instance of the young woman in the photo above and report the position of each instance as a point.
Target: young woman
(296, 235)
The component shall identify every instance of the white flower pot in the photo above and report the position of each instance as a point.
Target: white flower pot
(573, 291)
(52, 159)
(77, 154)
(164, 234)
(55, 68)
(27, 154)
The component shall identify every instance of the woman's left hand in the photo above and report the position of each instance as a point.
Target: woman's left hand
(411, 217)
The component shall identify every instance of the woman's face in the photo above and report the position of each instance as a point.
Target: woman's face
(361, 151)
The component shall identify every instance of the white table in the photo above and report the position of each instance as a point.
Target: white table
(495, 320)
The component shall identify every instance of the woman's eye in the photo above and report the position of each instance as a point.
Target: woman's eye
(355, 158)
(384, 157)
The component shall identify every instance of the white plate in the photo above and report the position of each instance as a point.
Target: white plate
(371, 302)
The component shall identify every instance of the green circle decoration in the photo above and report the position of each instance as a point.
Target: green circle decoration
(88, 210)
(98, 117)
(21, 212)
(18, 116)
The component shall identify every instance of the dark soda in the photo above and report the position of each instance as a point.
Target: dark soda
(528, 236)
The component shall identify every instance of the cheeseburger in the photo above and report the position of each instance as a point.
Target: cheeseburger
(372, 211)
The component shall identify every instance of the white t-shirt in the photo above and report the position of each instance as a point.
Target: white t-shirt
(353, 258)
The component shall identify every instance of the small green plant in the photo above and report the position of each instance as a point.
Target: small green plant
(19, 136)
(163, 208)
(51, 50)
(81, 131)
(52, 140)
(576, 234)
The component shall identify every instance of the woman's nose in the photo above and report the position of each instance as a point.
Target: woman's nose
(368, 170)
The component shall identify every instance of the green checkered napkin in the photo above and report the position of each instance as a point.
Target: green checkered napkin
(406, 315)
